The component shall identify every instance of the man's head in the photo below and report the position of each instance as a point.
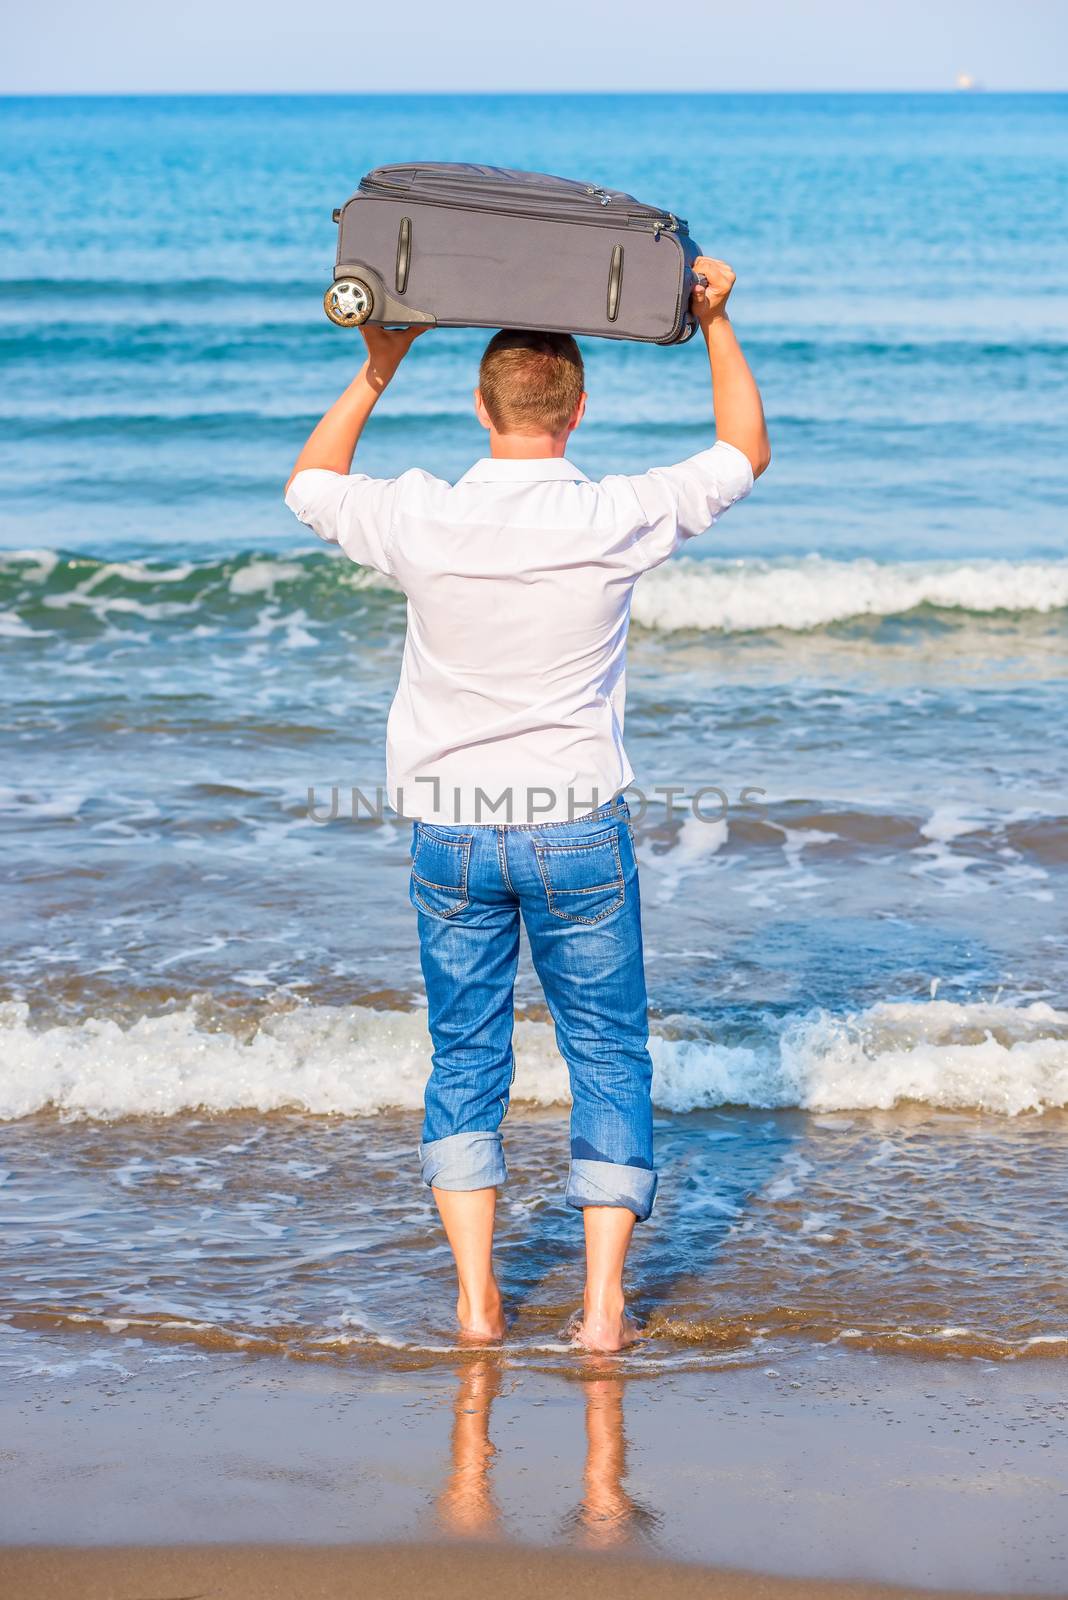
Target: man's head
(531, 387)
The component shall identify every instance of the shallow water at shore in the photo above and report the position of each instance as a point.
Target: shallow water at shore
(776, 1233)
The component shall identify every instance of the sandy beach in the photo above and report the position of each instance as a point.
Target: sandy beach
(148, 1472)
(236, 1572)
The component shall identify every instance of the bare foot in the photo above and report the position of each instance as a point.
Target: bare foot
(482, 1323)
(605, 1331)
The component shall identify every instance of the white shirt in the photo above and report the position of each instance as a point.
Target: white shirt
(519, 580)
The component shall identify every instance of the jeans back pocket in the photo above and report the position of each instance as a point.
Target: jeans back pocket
(439, 872)
(583, 881)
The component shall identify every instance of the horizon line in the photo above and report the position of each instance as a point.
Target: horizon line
(978, 92)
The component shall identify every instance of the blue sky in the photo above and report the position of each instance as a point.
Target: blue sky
(129, 46)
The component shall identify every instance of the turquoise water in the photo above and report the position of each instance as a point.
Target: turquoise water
(867, 658)
(901, 289)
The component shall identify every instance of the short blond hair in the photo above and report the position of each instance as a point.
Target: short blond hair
(531, 382)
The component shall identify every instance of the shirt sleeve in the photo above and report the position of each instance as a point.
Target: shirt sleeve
(351, 510)
(680, 502)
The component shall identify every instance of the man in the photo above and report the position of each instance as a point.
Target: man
(505, 745)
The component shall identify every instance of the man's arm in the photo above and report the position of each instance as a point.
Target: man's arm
(678, 503)
(739, 414)
(332, 442)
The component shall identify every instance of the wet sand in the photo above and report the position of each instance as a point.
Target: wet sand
(842, 1467)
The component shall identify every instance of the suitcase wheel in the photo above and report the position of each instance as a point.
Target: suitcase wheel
(348, 302)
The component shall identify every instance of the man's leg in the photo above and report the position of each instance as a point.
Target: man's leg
(605, 1324)
(582, 912)
(469, 960)
(467, 1216)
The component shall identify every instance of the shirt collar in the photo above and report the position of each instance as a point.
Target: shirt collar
(543, 469)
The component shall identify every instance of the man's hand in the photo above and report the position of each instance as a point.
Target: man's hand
(386, 349)
(711, 300)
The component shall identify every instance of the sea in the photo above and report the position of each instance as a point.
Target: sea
(847, 711)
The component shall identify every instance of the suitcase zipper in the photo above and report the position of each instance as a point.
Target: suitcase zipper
(662, 222)
(604, 217)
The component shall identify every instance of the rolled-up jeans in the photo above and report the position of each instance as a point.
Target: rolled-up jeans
(575, 886)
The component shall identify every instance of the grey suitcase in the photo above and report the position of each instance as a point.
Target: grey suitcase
(484, 247)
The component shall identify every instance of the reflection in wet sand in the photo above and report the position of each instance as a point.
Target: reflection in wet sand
(606, 1516)
(466, 1506)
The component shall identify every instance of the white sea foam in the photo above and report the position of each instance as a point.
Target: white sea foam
(102, 605)
(746, 596)
(260, 577)
(33, 566)
(27, 803)
(357, 1061)
(139, 572)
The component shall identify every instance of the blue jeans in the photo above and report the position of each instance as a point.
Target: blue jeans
(575, 884)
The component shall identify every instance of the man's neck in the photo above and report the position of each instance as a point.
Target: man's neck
(528, 446)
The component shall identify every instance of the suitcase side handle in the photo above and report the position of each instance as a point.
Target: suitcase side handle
(404, 253)
(615, 282)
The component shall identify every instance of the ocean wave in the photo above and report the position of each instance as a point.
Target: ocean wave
(691, 593)
(753, 596)
(49, 591)
(360, 1061)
